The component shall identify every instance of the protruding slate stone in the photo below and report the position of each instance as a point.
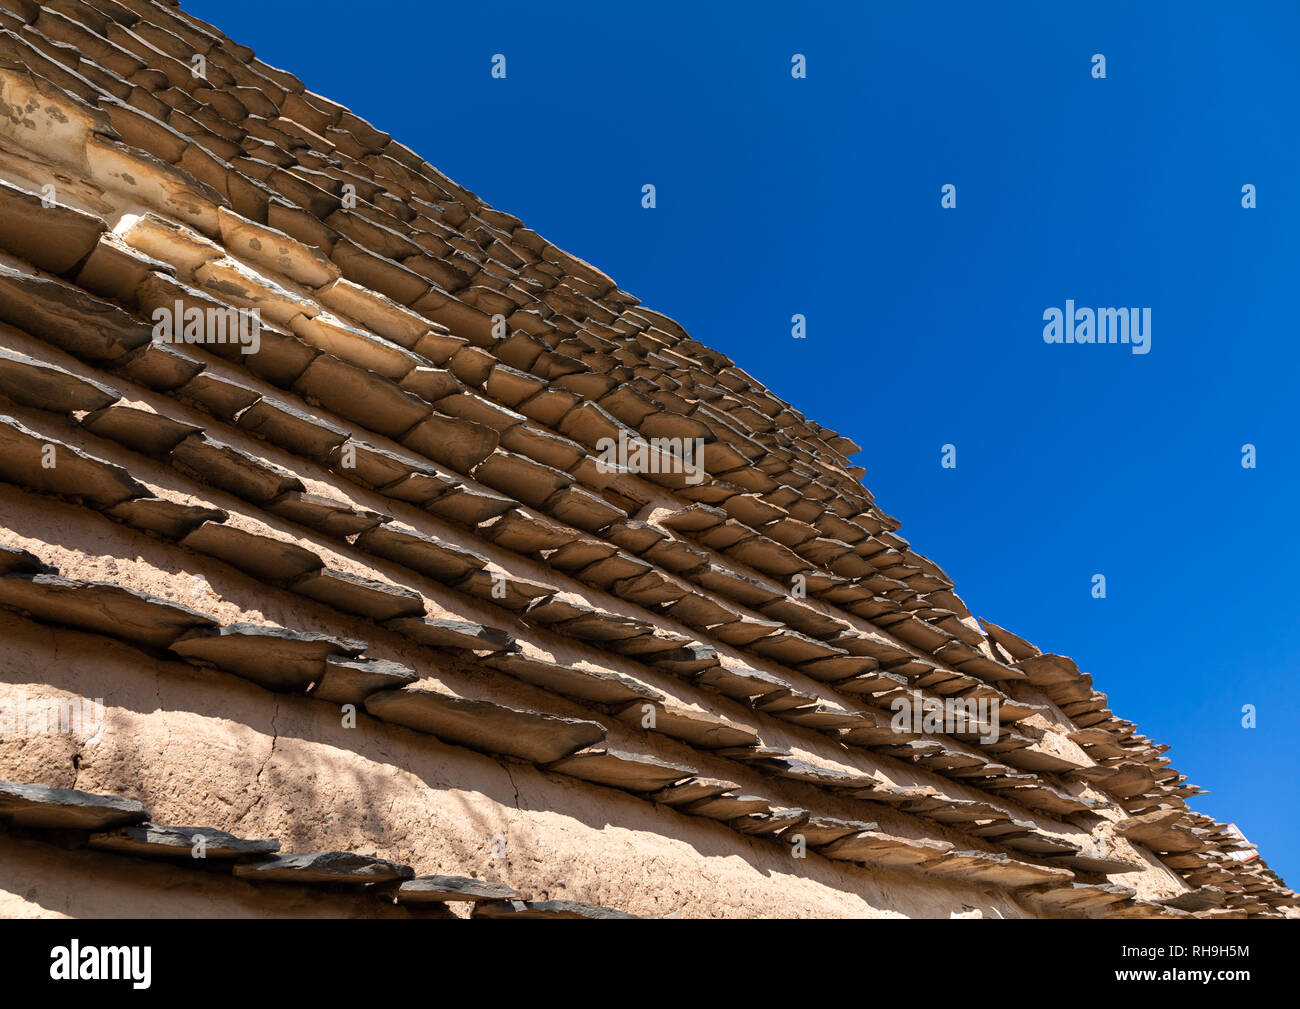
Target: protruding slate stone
(1076, 898)
(361, 396)
(24, 460)
(485, 725)
(576, 680)
(422, 889)
(728, 805)
(332, 516)
(52, 236)
(1104, 865)
(14, 560)
(994, 869)
(769, 822)
(170, 519)
(66, 316)
(545, 909)
(340, 867)
(363, 596)
(263, 557)
(42, 807)
(693, 790)
(292, 429)
(443, 633)
(621, 769)
(822, 830)
(1163, 831)
(351, 681)
(1203, 898)
(886, 849)
(277, 658)
(155, 841)
(697, 726)
(143, 431)
(421, 552)
(232, 470)
(46, 386)
(100, 608)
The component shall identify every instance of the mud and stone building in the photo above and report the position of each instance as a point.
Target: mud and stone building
(363, 553)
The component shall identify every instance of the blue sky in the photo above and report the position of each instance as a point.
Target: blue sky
(821, 196)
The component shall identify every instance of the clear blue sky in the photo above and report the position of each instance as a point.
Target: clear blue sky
(822, 196)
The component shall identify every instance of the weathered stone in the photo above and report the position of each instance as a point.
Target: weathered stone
(66, 316)
(351, 681)
(261, 556)
(275, 657)
(154, 841)
(45, 464)
(621, 769)
(363, 596)
(339, 867)
(37, 806)
(444, 888)
(100, 608)
(545, 909)
(441, 633)
(36, 383)
(485, 725)
(422, 552)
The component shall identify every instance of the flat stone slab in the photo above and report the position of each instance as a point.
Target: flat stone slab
(67, 316)
(100, 608)
(27, 805)
(620, 769)
(448, 888)
(166, 518)
(702, 729)
(232, 470)
(325, 867)
(1077, 897)
(774, 821)
(821, 830)
(351, 681)
(14, 560)
(442, 633)
(329, 515)
(1203, 898)
(50, 235)
(154, 841)
(874, 846)
(363, 596)
(1163, 831)
(582, 682)
(36, 383)
(994, 869)
(545, 909)
(74, 474)
(143, 431)
(441, 561)
(485, 725)
(276, 657)
(1103, 865)
(693, 790)
(292, 429)
(263, 557)
(729, 805)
